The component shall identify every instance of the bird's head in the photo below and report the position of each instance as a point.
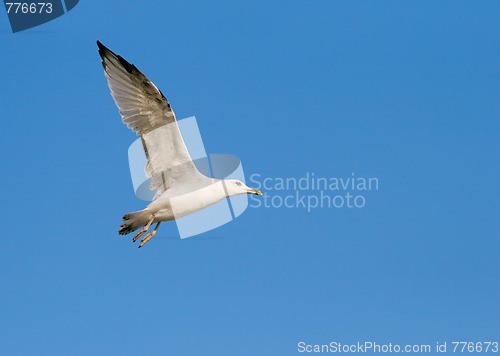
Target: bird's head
(236, 187)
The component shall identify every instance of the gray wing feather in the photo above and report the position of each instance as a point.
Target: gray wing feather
(142, 105)
(146, 111)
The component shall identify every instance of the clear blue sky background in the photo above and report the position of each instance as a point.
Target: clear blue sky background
(404, 91)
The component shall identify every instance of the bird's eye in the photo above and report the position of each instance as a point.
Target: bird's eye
(238, 183)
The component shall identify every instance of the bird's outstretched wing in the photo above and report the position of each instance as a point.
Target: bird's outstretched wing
(146, 111)
(142, 105)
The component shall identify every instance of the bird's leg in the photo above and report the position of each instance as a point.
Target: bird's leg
(149, 236)
(144, 229)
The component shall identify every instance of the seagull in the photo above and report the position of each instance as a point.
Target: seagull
(180, 189)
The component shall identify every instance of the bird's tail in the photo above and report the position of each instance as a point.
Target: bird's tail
(133, 221)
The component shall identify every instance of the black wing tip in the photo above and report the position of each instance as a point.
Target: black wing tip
(125, 64)
(105, 51)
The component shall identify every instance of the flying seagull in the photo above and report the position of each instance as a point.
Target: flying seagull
(180, 188)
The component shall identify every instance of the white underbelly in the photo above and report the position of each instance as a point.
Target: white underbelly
(171, 208)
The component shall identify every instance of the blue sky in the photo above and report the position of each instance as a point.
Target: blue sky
(403, 91)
